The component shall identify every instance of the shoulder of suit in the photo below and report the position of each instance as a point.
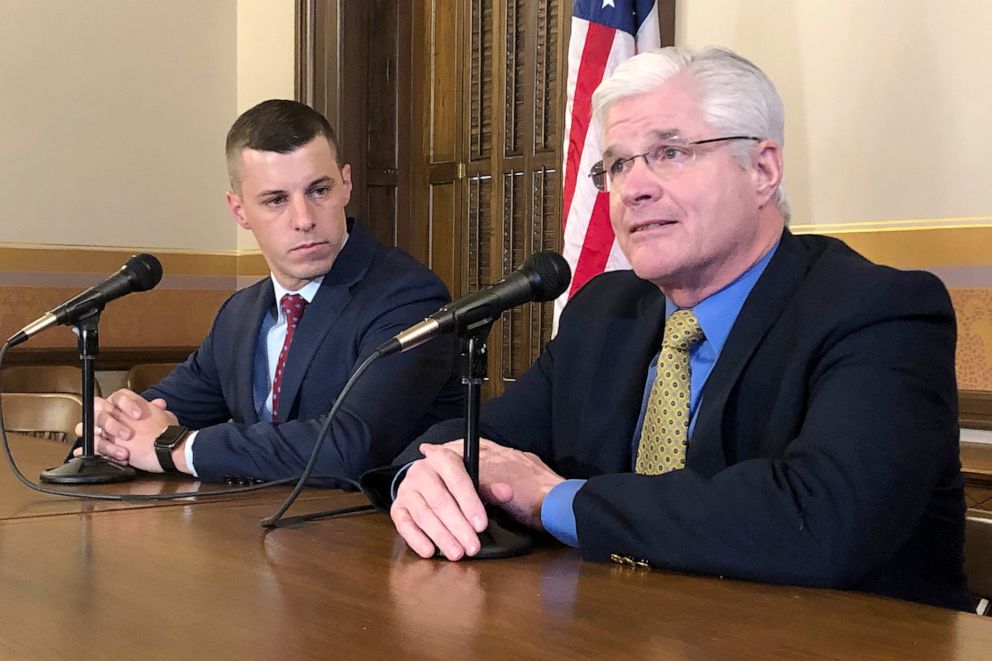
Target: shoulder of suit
(840, 273)
(833, 257)
(616, 285)
(395, 268)
(610, 295)
(247, 295)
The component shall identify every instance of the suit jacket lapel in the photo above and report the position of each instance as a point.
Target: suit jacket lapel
(763, 306)
(245, 345)
(321, 314)
(628, 347)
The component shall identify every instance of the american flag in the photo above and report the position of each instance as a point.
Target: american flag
(604, 34)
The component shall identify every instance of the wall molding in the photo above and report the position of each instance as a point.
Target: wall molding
(849, 226)
(25, 259)
(975, 409)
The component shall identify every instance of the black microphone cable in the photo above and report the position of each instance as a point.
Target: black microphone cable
(136, 498)
(277, 520)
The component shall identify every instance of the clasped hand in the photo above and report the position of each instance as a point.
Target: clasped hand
(126, 428)
(437, 505)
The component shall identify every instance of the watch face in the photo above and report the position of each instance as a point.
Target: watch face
(171, 436)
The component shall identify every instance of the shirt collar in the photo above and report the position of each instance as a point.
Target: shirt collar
(717, 312)
(308, 292)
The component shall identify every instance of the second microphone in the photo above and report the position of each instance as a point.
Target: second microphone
(542, 277)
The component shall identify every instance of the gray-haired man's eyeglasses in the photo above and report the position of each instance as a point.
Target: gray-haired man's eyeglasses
(662, 158)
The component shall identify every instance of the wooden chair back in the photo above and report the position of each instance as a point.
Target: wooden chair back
(978, 560)
(43, 378)
(146, 375)
(46, 415)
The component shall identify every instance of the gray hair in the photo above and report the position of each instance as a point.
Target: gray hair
(736, 97)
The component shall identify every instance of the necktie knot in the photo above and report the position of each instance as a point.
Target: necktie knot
(293, 306)
(682, 331)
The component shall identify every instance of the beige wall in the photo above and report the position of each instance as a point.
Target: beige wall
(888, 110)
(112, 123)
(114, 111)
(888, 132)
(266, 63)
(114, 114)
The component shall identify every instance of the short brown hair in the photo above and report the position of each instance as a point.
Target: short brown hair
(277, 125)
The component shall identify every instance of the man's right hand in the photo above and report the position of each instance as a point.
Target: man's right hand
(437, 505)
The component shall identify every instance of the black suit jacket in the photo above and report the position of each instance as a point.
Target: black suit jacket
(825, 450)
(370, 293)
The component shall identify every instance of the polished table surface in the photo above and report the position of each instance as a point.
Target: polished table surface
(201, 579)
(33, 455)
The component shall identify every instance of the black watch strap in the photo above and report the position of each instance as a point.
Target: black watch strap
(166, 443)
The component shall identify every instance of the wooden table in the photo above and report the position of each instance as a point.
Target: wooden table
(33, 455)
(202, 580)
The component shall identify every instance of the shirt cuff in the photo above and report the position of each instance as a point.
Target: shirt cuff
(396, 481)
(188, 452)
(556, 512)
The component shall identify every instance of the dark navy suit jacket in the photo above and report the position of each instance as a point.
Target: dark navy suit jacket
(370, 294)
(825, 451)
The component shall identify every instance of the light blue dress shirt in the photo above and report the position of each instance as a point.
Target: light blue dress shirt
(716, 315)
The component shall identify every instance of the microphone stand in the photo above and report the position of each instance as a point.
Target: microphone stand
(496, 541)
(88, 468)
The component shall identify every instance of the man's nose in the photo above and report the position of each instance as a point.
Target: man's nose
(640, 184)
(301, 214)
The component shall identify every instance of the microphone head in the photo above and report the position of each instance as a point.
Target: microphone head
(549, 274)
(144, 271)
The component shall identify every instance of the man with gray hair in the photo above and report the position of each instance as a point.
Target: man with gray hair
(745, 402)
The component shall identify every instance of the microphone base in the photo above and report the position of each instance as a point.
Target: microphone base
(88, 470)
(500, 542)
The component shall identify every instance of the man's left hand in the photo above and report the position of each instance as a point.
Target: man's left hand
(516, 481)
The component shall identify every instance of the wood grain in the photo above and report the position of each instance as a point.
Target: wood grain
(204, 580)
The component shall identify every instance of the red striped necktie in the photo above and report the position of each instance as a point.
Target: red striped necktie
(293, 306)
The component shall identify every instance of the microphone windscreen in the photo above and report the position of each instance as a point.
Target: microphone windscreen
(553, 274)
(146, 269)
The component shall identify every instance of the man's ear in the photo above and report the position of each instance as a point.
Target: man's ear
(237, 209)
(767, 171)
(346, 181)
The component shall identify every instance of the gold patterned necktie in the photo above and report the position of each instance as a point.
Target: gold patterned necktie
(666, 421)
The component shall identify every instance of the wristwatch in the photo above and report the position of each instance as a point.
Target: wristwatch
(166, 443)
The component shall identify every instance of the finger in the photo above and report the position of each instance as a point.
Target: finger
(410, 531)
(129, 402)
(497, 492)
(97, 430)
(459, 485)
(429, 449)
(436, 509)
(111, 450)
(113, 427)
(450, 533)
(159, 402)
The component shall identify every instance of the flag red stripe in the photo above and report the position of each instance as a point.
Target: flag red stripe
(595, 53)
(596, 246)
